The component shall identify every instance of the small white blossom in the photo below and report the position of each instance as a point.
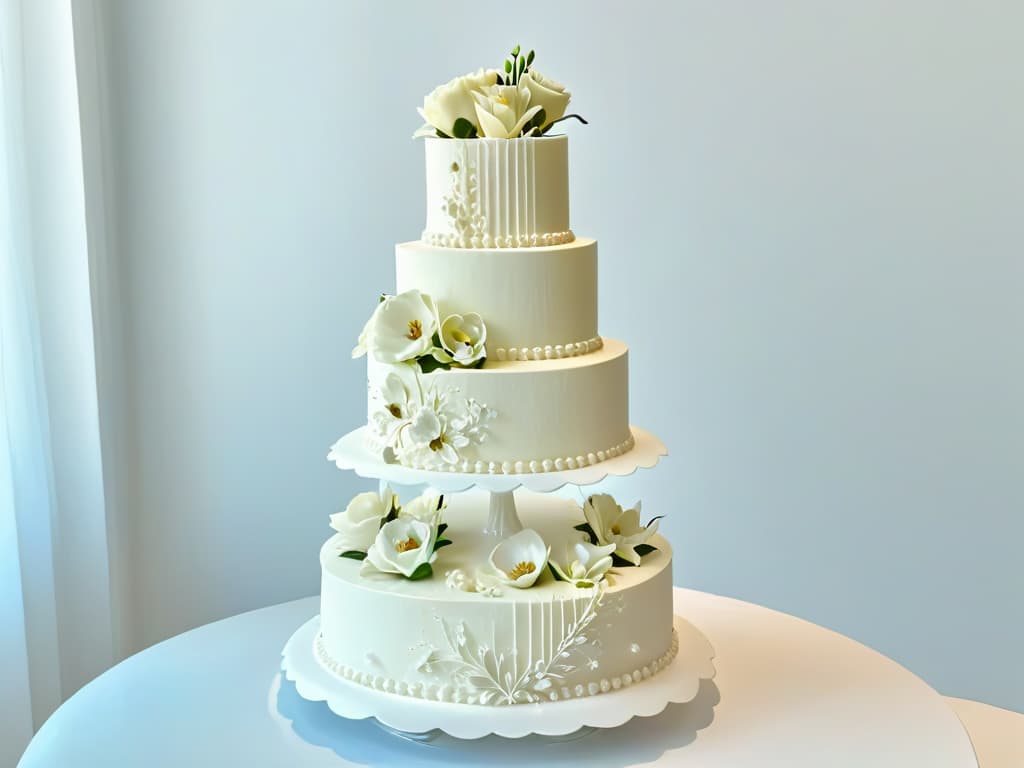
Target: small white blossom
(401, 329)
(520, 559)
(463, 338)
(504, 110)
(613, 526)
(589, 566)
(357, 526)
(401, 547)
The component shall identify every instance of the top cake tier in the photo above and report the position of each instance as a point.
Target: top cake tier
(497, 193)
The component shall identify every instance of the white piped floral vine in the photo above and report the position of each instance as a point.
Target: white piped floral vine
(462, 204)
(493, 676)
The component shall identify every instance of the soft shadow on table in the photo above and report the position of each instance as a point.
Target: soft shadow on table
(642, 739)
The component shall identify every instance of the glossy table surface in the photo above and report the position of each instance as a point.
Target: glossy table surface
(786, 693)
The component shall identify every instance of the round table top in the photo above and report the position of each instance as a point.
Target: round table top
(997, 734)
(787, 693)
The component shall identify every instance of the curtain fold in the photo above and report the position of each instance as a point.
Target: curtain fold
(55, 596)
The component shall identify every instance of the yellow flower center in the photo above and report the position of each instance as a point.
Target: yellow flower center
(616, 530)
(394, 410)
(405, 546)
(436, 444)
(521, 569)
(502, 100)
(415, 329)
(460, 336)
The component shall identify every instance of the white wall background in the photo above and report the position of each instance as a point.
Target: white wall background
(811, 232)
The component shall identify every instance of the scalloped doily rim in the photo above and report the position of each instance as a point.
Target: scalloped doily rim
(677, 683)
(350, 453)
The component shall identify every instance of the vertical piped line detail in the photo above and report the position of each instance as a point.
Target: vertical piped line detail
(483, 178)
(505, 179)
(533, 189)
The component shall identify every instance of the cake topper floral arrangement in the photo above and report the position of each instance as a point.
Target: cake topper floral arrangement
(492, 104)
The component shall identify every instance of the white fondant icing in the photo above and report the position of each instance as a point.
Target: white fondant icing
(414, 635)
(531, 301)
(544, 411)
(497, 193)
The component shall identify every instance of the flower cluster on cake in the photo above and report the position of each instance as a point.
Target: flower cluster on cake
(486, 360)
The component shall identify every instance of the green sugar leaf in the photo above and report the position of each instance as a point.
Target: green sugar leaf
(463, 129)
(422, 572)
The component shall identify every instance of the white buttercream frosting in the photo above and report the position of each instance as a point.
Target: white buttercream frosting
(534, 298)
(551, 641)
(548, 415)
(497, 193)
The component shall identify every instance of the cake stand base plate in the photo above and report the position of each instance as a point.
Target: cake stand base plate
(677, 683)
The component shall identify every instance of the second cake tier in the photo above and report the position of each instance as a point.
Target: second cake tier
(538, 303)
(521, 417)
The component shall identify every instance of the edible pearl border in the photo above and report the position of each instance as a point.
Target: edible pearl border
(454, 695)
(550, 352)
(536, 465)
(535, 240)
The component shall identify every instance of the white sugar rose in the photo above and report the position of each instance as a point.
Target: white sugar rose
(546, 93)
(463, 338)
(447, 103)
(504, 110)
(358, 525)
(401, 329)
(520, 559)
(403, 546)
(613, 526)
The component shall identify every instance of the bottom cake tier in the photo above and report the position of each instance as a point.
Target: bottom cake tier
(458, 637)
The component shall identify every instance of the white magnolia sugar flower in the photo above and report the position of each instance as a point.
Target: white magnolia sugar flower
(591, 563)
(546, 93)
(393, 400)
(443, 425)
(463, 338)
(427, 508)
(453, 100)
(613, 526)
(504, 110)
(520, 559)
(358, 525)
(403, 547)
(401, 329)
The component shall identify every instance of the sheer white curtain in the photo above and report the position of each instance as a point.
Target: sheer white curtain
(56, 609)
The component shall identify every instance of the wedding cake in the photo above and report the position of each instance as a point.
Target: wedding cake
(486, 362)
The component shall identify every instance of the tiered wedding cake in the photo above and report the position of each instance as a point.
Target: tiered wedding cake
(487, 362)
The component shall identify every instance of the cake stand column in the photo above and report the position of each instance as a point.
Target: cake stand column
(502, 519)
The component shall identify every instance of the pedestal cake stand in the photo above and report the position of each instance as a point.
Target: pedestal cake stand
(678, 682)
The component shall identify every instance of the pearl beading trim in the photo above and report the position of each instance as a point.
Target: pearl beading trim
(536, 465)
(449, 693)
(550, 352)
(535, 240)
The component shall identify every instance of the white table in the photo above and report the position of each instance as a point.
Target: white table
(787, 693)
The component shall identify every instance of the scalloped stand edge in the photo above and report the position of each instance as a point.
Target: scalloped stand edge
(678, 683)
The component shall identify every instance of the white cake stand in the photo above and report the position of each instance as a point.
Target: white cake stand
(351, 453)
(677, 683)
